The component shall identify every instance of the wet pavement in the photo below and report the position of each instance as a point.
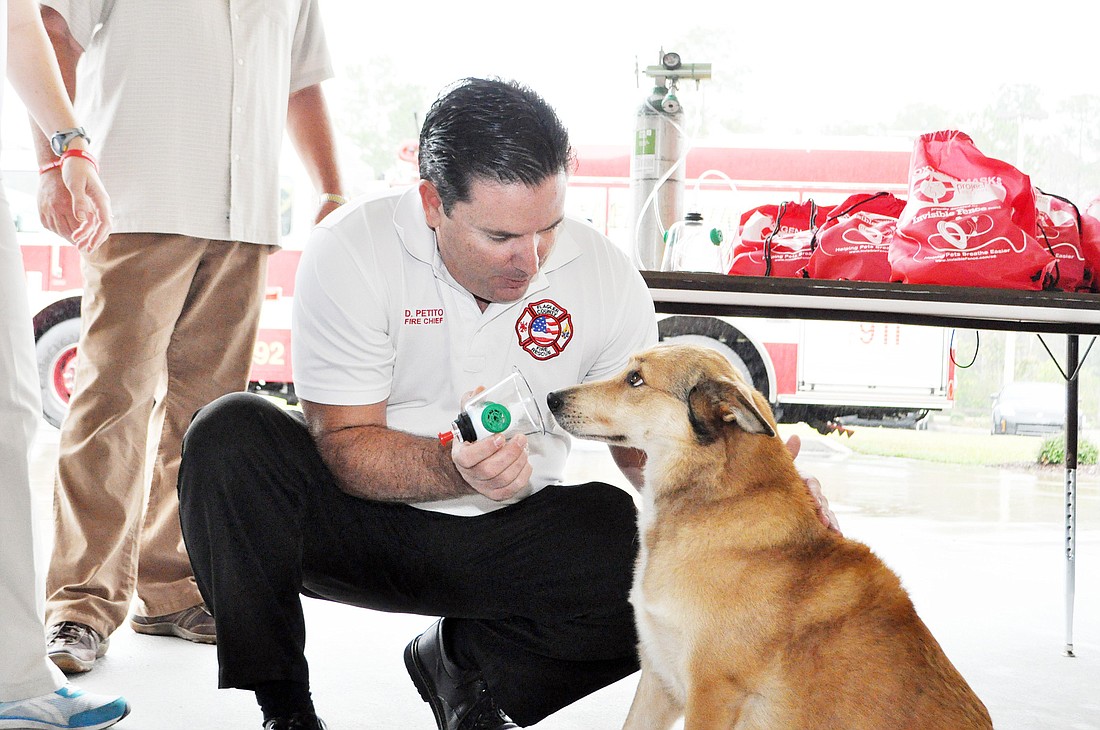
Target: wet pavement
(981, 551)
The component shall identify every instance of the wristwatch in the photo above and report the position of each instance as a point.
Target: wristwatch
(60, 141)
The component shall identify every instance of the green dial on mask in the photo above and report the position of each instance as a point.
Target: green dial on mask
(495, 418)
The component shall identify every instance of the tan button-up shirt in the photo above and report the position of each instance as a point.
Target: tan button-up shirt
(186, 105)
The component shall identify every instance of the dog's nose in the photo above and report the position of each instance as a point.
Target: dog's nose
(554, 401)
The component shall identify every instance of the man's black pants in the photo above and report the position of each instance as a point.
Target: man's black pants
(535, 593)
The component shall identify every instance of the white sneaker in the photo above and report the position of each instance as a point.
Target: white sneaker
(67, 708)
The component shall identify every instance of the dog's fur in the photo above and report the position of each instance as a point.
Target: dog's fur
(750, 612)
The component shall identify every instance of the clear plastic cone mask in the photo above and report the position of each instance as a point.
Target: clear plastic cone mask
(507, 408)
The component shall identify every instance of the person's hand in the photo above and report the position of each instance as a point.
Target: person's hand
(74, 205)
(326, 207)
(55, 205)
(496, 467)
(794, 445)
(90, 205)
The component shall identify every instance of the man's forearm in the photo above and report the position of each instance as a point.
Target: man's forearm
(379, 463)
(631, 463)
(310, 129)
(68, 53)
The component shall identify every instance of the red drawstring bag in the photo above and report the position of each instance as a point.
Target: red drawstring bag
(854, 242)
(775, 239)
(1059, 225)
(969, 221)
(1090, 245)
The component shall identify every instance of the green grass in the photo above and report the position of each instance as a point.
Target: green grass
(952, 447)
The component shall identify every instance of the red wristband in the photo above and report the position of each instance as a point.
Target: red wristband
(83, 154)
(56, 164)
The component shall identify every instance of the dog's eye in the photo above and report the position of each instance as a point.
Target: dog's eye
(634, 379)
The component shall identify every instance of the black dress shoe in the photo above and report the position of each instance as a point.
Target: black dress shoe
(459, 698)
(297, 721)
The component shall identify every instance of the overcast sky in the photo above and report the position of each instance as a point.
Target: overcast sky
(833, 59)
(800, 64)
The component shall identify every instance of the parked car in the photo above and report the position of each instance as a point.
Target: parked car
(1031, 408)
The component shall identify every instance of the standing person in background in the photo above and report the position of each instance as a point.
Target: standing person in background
(33, 692)
(189, 102)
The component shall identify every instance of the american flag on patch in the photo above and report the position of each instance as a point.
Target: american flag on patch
(545, 329)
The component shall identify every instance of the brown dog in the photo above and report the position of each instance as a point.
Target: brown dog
(751, 614)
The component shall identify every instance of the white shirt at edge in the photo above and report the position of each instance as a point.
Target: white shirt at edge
(186, 106)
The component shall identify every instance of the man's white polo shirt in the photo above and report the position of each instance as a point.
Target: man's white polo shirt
(377, 317)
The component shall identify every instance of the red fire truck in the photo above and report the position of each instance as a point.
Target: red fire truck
(819, 372)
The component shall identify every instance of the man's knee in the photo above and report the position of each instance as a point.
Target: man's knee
(602, 510)
(233, 435)
(223, 421)
(596, 526)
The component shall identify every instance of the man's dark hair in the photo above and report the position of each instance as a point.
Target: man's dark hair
(490, 129)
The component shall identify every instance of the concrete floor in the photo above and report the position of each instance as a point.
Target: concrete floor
(980, 551)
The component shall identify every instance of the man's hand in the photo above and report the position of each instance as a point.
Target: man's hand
(495, 467)
(794, 445)
(324, 209)
(73, 204)
(91, 207)
(55, 205)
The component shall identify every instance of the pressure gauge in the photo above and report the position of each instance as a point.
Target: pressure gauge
(671, 61)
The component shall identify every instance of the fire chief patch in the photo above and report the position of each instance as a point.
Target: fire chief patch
(544, 329)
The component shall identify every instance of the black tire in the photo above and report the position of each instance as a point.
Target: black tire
(56, 351)
(720, 336)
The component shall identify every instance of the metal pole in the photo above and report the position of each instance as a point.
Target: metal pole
(1071, 481)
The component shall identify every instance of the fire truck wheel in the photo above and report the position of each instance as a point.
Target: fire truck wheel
(56, 350)
(723, 337)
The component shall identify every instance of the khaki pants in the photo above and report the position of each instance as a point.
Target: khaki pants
(168, 325)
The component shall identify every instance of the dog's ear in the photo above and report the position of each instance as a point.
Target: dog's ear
(713, 403)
